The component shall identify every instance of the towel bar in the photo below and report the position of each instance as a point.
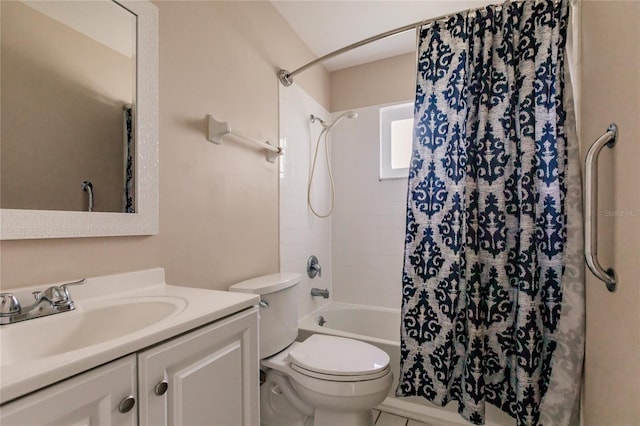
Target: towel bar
(220, 129)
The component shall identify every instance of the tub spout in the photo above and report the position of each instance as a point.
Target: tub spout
(320, 292)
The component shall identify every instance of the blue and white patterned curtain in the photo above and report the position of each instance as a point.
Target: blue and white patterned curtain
(493, 302)
(129, 155)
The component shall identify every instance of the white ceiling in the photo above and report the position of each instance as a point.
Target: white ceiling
(328, 25)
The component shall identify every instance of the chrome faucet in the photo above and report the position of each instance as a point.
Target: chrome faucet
(54, 300)
(323, 292)
(313, 267)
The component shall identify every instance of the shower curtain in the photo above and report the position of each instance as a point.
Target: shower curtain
(493, 280)
(129, 153)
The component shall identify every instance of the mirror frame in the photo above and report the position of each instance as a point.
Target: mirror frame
(17, 224)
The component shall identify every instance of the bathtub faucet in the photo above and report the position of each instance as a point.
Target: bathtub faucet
(320, 292)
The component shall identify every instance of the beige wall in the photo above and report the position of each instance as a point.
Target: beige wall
(62, 122)
(218, 204)
(381, 82)
(611, 92)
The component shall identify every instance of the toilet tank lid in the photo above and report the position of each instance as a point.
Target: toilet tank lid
(267, 283)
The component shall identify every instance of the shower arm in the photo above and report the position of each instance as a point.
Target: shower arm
(315, 118)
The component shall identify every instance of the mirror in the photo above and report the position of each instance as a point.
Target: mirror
(79, 119)
(67, 102)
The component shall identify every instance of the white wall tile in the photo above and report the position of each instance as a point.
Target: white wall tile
(360, 247)
(391, 287)
(301, 233)
(391, 241)
(369, 222)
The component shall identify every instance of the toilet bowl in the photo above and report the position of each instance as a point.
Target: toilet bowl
(338, 389)
(323, 381)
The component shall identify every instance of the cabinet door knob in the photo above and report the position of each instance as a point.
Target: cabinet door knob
(127, 404)
(161, 388)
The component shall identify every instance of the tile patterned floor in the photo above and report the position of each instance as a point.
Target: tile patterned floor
(382, 418)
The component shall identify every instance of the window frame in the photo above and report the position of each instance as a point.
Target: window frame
(389, 114)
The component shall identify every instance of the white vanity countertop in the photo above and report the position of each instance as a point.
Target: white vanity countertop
(39, 352)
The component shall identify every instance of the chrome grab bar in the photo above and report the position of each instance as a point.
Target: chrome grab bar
(591, 207)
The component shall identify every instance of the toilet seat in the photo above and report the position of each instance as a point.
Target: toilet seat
(341, 378)
(338, 359)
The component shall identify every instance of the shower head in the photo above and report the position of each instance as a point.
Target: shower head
(348, 114)
(327, 127)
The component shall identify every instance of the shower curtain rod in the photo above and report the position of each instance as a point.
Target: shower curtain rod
(286, 77)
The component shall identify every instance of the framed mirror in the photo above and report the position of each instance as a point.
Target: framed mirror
(79, 123)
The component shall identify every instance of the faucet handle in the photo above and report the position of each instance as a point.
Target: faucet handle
(59, 295)
(66, 290)
(313, 267)
(9, 304)
(79, 282)
(55, 294)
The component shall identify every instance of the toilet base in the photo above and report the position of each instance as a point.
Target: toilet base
(333, 418)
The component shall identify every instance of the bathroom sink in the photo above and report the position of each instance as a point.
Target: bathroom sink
(116, 315)
(89, 324)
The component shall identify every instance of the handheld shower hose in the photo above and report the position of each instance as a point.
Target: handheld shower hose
(325, 132)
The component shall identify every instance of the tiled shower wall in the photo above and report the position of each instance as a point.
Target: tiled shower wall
(301, 233)
(360, 246)
(369, 218)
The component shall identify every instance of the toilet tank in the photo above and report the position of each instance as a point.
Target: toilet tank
(278, 323)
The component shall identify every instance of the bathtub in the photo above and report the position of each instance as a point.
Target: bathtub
(381, 327)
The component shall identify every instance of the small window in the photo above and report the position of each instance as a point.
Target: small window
(396, 140)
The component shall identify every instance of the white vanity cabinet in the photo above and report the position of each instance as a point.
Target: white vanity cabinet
(91, 398)
(206, 377)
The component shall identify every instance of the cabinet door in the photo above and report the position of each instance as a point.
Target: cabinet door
(211, 375)
(91, 398)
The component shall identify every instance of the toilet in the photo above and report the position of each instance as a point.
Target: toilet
(323, 381)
